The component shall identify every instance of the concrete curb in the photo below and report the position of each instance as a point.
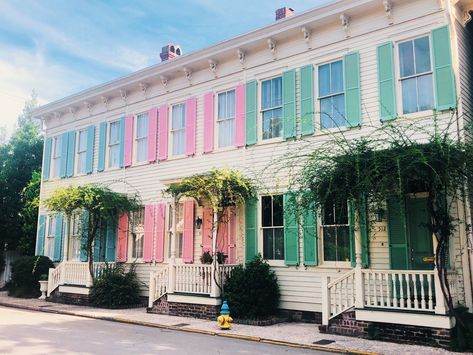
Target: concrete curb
(190, 330)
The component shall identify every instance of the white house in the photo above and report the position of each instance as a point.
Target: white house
(244, 103)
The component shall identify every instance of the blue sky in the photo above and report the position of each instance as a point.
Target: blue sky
(61, 47)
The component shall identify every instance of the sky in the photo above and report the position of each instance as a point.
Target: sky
(58, 48)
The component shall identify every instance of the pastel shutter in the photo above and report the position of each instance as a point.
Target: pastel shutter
(71, 153)
(309, 228)
(386, 82)
(251, 100)
(232, 257)
(111, 240)
(128, 147)
(163, 133)
(289, 103)
(398, 246)
(352, 89)
(209, 105)
(191, 122)
(152, 134)
(160, 231)
(47, 159)
(207, 228)
(364, 233)
(307, 100)
(222, 234)
(122, 243)
(102, 146)
(240, 115)
(291, 229)
(63, 161)
(149, 231)
(445, 92)
(188, 237)
(122, 142)
(98, 243)
(58, 238)
(251, 224)
(41, 234)
(89, 161)
(83, 237)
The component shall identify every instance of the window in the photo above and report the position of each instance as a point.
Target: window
(336, 232)
(226, 118)
(142, 137)
(137, 232)
(415, 69)
(331, 95)
(178, 129)
(57, 157)
(75, 239)
(114, 145)
(272, 222)
(271, 107)
(179, 229)
(49, 247)
(82, 152)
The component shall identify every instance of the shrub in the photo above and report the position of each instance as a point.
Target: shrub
(116, 288)
(462, 339)
(2, 261)
(252, 291)
(26, 272)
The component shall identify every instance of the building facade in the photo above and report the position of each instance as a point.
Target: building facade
(344, 68)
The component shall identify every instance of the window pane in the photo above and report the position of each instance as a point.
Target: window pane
(266, 94)
(328, 214)
(278, 210)
(82, 160)
(336, 77)
(178, 142)
(339, 110)
(426, 92)
(231, 103)
(268, 243)
(409, 95)
(142, 126)
(226, 132)
(422, 55)
(115, 132)
(324, 80)
(114, 156)
(326, 120)
(276, 92)
(341, 213)
(57, 147)
(330, 244)
(279, 243)
(343, 243)
(222, 105)
(178, 117)
(82, 141)
(142, 149)
(266, 213)
(406, 59)
(267, 116)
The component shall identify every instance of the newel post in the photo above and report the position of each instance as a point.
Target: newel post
(215, 274)
(152, 289)
(359, 281)
(325, 299)
(440, 307)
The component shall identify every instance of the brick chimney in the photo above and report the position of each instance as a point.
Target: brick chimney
(284, 12)
(170, 51)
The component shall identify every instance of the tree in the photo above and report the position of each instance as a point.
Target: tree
(29, 214)
(97, 203)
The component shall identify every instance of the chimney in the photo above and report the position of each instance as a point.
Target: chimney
(170, 51)
(284, 12)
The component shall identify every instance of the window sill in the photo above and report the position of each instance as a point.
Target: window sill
(115, 168)
(414, 115)
(335, 265)
(222, 149)
(269, 141)
(330, 131)
(277, 263)
(176, 157)
(139, 163)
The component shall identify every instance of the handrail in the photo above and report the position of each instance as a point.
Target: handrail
(338, 295)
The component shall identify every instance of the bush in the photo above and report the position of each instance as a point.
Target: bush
(26, 272)
(2, 261)
(252, 292)
(462, 339)
(116, 288)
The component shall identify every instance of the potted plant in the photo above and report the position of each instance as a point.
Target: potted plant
(43, 286)
(206, 258)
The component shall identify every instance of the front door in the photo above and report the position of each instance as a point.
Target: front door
(420, 238)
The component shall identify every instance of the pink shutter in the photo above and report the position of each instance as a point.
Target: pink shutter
(122, 246)
(240, 115)
(160, 232)
(149, 228)
(188, 237)
(128, 140)
(208, 122)
(232, 239)
(222, 234)
(191, 118)
(152, 133)
(207, 228)
(163, 133)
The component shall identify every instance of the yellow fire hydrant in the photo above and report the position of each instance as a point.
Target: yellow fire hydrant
(224, 320)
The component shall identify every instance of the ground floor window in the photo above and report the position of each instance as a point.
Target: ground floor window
(49, 244)
(179, 229)
(75, 238)
(137, 231)
(336, 232)
(272, 225)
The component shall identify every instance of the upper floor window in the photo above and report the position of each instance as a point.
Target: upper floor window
(226, 118)
(82, 152)
(415, 68)
(114, 145)
(332, 95)
(271, 107)
(272, 223)
(57, 151)
(137, 232)
(142, 137)
(335, 232)
(178, 129)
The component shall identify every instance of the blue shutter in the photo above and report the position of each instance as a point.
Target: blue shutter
(71, 152)
(90, 149)
(41, 234)
(63, 163)
(102, 142)
(58, 238)
(83, 235)
(122, 142)
(111, 240)
(309, 227)
(47, 159)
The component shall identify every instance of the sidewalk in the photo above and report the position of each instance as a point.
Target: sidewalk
(293, 334)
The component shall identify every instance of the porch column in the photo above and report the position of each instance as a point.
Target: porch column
(214, 290)
(439, 298)
(172, 260)
(359, 282)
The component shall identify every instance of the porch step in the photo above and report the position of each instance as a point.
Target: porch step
(76, 289)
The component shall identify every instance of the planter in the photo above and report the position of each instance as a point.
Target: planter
(43, 287)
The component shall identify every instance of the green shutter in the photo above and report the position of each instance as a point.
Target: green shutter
(352, 89)
(47, 159)
(41, 235)
(251, 112)
(443, 71)
(111, 240)
(386, 82)
(58, 238)
(291, 229)
(289, 103)
(251, 227)
(398, 248)
(84, 235)
(309, 221)
(364, 233)
(102, 146)
(351, 221)
(307, 100)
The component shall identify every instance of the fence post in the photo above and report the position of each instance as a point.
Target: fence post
(325, 300)
(152, 289)
(215, 278)
(439, 299)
